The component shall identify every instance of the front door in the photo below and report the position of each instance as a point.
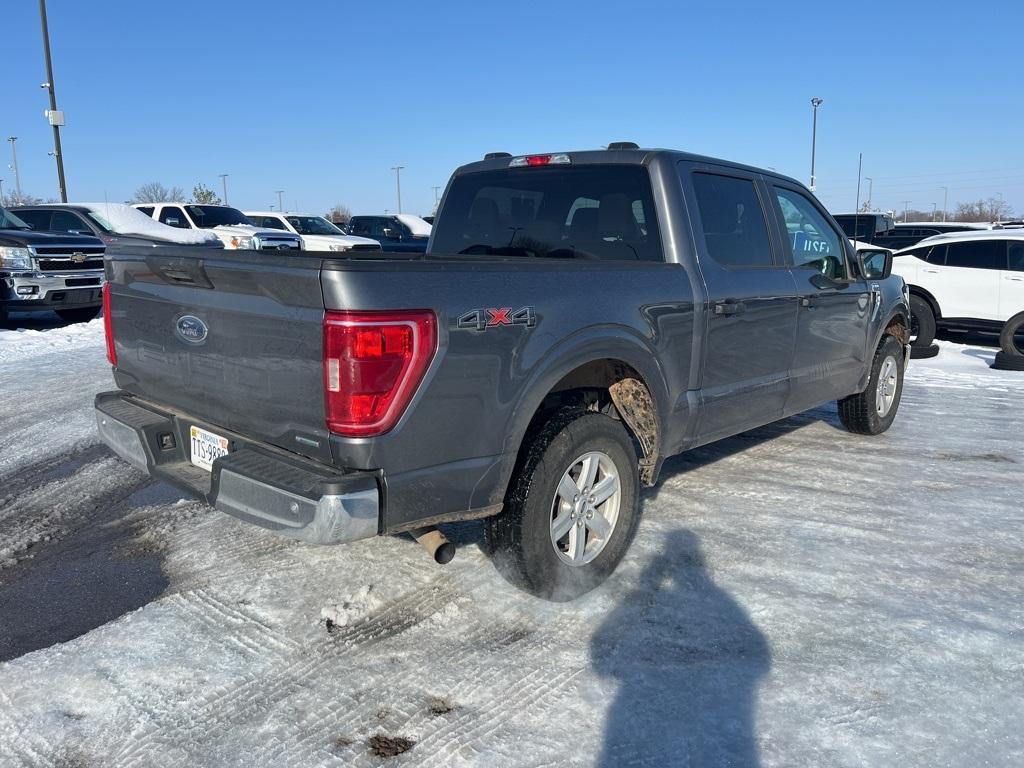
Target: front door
(835, 304)
(751, 302)
(1011, 290)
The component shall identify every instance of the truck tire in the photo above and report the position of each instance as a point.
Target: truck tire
(920, 353)
(79, 314)
(1005, 362)
(872, 411)
(1012, 336)
(579, 468)
(922, 322)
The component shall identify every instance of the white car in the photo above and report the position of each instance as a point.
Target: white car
(972, 280)
(317, 233)
(227, 223)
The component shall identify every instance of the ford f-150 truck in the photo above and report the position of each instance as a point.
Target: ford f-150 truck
(577, 318)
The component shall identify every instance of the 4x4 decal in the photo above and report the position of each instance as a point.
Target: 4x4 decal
(482, 319)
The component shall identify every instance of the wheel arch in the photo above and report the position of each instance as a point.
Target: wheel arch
(916, 290)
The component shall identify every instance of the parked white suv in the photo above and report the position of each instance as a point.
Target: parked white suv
(317, 233)
(971, 280)
(229, 224)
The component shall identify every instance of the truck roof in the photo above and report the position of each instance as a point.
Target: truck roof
(620, 156)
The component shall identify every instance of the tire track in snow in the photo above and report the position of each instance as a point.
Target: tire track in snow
(59, 505)
(226, 710)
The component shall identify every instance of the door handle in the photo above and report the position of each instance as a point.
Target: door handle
(729, 307)
(930, 271)
(1014, 278)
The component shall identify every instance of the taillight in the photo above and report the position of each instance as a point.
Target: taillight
(373, 363)
(108, 325)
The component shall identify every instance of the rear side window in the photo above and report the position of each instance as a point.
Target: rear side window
(814, 242)
(1016, 256)
(731, 217)
(601, 212)
(980, 254)
(39, 220)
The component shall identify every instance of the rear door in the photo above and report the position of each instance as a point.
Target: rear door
(964, 277)
(1011, 288)
(231, 339)
(752, 302)
(835, 306)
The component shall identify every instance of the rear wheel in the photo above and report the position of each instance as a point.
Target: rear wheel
(1012, 337)
(572, 508)
(922, 322)
(79, 314)
(872, 411)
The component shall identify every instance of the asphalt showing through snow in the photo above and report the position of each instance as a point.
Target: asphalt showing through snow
(796, 596)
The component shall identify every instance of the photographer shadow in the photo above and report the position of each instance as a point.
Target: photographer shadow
(688, 661)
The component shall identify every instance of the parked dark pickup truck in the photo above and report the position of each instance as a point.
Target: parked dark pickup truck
(577, 319)
(42, 271)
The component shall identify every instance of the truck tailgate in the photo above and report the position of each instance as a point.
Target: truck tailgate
(233, 339)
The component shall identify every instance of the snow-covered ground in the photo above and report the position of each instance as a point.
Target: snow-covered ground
(796, 596)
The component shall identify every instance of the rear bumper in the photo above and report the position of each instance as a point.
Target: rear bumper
(255, 482)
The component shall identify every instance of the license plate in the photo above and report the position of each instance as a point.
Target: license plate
(206, 447)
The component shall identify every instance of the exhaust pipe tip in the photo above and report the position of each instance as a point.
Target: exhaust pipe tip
(439, 548)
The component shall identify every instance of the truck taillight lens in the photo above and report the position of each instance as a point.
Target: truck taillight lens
(108, 325)
(373, 363)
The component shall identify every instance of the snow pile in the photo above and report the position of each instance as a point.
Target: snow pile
(125, 220)
(24, 342)
(348, 611)
(416, 225)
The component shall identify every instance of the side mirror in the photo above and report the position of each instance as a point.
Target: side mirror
(875, 265)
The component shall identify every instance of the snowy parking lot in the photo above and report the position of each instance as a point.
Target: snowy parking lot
(796, 595)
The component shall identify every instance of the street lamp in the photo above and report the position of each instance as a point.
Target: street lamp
(14, 167)
(55, 116)
(224, 184)
(815, 103)
(906, 204)
(398, 182)
(934, 206)
(871, 185)
(280, 204)
(945, 199)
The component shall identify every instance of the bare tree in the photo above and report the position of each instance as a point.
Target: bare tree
(992, 209)
(204, 195)
(155, 192)
(10, 200)
(339, 214)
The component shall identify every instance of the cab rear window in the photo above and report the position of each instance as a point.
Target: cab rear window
(569, 212)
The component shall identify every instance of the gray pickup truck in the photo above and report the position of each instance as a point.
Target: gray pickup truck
(578, 317)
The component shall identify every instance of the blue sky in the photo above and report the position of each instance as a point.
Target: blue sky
(320, 99)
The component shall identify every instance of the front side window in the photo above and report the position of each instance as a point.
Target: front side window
(603, 212)
(64, 221)
(980, 254)
(732, 220)
(173, 216)
(814, 243)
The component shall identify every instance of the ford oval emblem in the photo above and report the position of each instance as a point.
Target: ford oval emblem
(191, 329)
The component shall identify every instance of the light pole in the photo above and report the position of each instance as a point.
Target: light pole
(1, 192)
(55, 117)
(14, 166)
(280, 204)
(906, 204)
(398, 183)
(871, 185)
(437, 195)
(934, 206)
(224, 184)
(945, 199)
(999, 211)
(815, 103)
